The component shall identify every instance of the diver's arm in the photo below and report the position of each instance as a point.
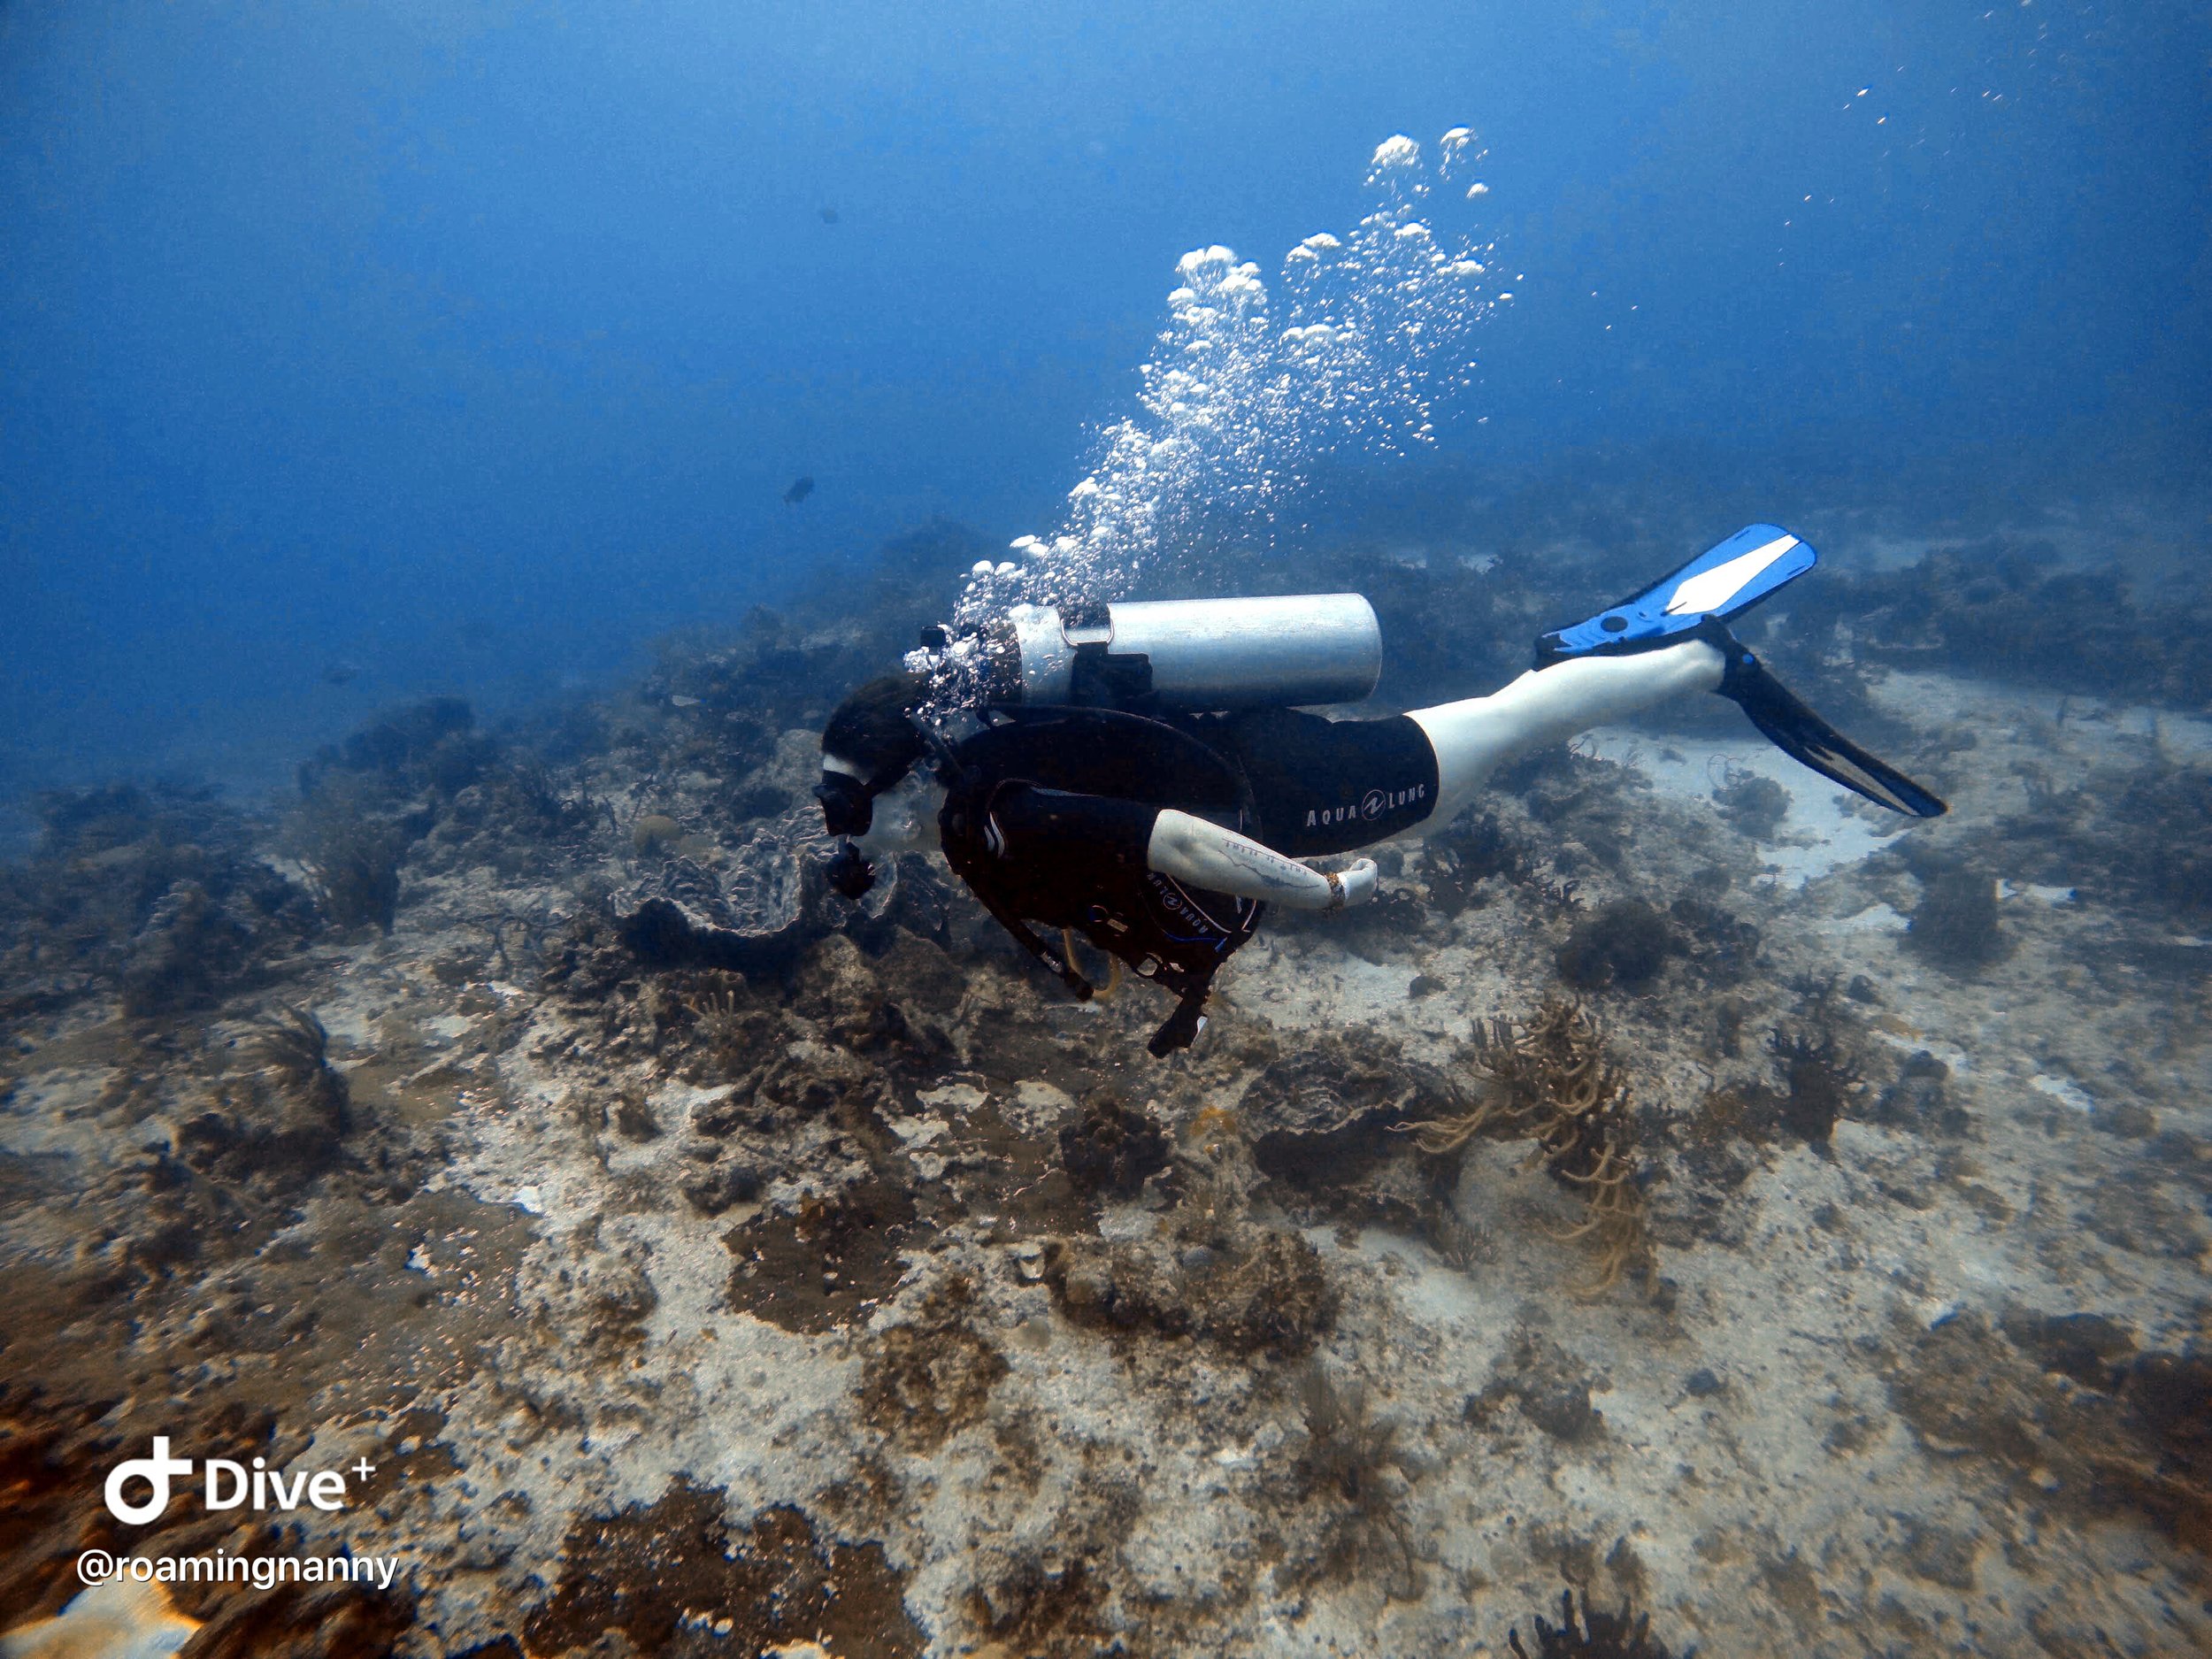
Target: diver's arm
(1108, 830)
(1207, 855)
(1548, 705)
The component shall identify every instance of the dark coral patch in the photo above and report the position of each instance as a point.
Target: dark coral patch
(675, 1579)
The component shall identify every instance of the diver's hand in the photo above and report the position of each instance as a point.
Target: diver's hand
(1356, 883)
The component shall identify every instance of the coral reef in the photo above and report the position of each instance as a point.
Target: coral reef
(929, 1377)
(1624, 944)
(1042, 1610)
(1325, 1118)
(1750, 804)
(1816, 1085)
(1996, 605)
(706, 1264)
(1352, 1464)
(431, 744)
(675, 1576)
(351, 854)
(1227, 1280)
(1112, 1150)
(1461, 862)
(161, 896)
(2136, 832)
(1954, 925)
(2131, 1437)
(1547, 1386)
(824, 1262)
(1721, 947)
(1551, 1079)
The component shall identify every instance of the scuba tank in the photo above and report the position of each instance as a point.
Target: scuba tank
(1175, 656)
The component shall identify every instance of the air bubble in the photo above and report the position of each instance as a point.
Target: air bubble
(1251, 382)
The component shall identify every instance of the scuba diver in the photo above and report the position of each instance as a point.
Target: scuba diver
(1149, 774)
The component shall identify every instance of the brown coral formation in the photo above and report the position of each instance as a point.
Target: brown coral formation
(1551, 1079)
(930, 1377)
(1321, 1117)
(1112, 1150)
(821, 1264)
(1241, 1286)
(2075, 1418)
(1353, 1465)
(674, 1577)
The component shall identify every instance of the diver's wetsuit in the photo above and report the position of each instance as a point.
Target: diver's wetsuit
(1318, 787)
(1322, 786)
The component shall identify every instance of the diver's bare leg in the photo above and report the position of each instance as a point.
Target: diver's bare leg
(1548, 705)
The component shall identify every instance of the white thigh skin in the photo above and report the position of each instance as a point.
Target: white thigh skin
(1548, 705)
(1205, 855)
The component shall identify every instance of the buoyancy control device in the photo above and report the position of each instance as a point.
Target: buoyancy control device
(1175, 935)
(1093, 699)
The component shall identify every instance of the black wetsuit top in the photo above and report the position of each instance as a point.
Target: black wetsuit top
(1318, 787)
(1048, 817)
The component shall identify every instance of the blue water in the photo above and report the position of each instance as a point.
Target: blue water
(466, 346)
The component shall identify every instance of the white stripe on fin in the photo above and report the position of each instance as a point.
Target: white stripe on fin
(1711, 590)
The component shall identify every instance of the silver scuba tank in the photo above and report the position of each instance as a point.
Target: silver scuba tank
(1195, 655)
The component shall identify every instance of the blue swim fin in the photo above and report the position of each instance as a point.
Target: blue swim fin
(1718, 584)
(1697, 602)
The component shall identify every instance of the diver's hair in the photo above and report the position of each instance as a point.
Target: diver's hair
(871, 728)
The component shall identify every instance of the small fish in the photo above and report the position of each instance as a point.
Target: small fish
(829, 216)
(801, 489)
(340, 673)
(682, 702)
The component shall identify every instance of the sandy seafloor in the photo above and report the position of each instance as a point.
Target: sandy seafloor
(683, 1312)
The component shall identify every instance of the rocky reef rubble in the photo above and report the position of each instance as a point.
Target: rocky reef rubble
(1603, 1222)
